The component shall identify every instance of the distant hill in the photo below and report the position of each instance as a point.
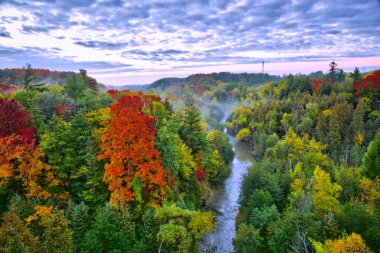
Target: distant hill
(134, 87)
(46, 76)
(14, 76)
(249, 79)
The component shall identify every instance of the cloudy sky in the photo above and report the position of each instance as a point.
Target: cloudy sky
(134, 42)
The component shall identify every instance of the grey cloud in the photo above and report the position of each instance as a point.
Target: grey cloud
(4, 33)
(37, 29)
(34, 56)
(101, 44)
(273, 25)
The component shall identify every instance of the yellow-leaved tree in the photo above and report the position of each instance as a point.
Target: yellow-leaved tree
(325, 193)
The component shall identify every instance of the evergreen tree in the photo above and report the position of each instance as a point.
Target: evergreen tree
(356, 75)
(89, 81)
(75, 86)
(15, 235)
(333, 72)
(29, 77)
(371, 160)
(57, 236)
(191, 131)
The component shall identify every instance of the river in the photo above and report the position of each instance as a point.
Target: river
(226, 202)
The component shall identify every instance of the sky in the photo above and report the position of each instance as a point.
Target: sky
(137, 42)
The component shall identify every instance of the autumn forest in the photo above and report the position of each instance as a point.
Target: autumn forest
(88, 168)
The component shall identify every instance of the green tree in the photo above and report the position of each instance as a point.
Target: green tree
(80, 223)
(247, 239)
(75, 86)
(57, 236)
(214, 167)
(15, 235)
(358, 118)
(371, 159)
(111, 231)
(191, 130)
(71, 150)
(220, 142)
(325, 193)
(333, 72)
(89, 81)
(356, 76)
(28, 78)
(174, 237)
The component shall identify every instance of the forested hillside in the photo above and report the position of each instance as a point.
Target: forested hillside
(84, 170)
(249, 79)
(315, 185)
(29, 75)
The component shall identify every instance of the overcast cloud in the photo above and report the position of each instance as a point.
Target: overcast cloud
(138, 41)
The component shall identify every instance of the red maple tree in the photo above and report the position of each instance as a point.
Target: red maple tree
(134, 169)
(370, 84)
(15, 121)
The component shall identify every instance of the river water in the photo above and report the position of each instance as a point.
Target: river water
(226, 202)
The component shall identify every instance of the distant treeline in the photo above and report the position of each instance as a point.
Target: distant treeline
(14, 76)
(216, 78)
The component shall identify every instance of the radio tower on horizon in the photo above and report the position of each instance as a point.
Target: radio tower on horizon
(263, 67)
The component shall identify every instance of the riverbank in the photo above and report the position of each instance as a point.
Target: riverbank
(227, 204)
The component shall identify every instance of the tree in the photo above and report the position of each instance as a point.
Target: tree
(15, 121)
(243, 134)
(174, 237)
(56, 236)
(75, 87)
(325, 193)
(159, 113)
(24, 165)
(247, 239)
(214, 167)
(201, 223)
(71, 150)
(369, 86)
(371, 159)
(133, 170)
(191, 131)
(220, 142)
(111, 231)
(333, 72)
(15, 235)
(29, 77)
(181, 227)
(358, 119)
(356, 76)
(89, 81)
(80, 223)
(168, 144)
(352, 243)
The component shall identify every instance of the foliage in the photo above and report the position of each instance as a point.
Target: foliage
(371, 159)
(15, 121)
(243, 134)
(134, 171)
(24, 165)
(349, 244)
(15, 235)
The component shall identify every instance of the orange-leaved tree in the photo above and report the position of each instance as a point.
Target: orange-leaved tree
(21, 161)
(134, 169)
(22, 164)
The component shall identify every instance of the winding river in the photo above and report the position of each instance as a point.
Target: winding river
(226, 202)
